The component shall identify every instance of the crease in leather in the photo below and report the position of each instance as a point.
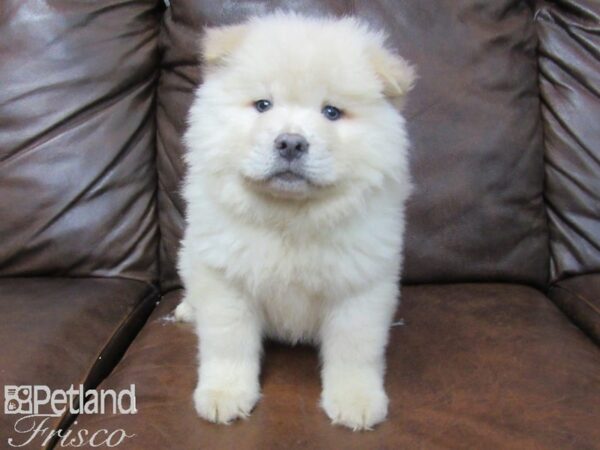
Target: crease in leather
(569, 178)
(175, 68)
(580, 297)
(144, 233)
(100, 175)
(79, 117)
(156, 192)
(171, 195)
(540, 112)
(557, 166)
(576, 8)
(567, 70)
(167, 165)
(166, 200)
(109, 348)
(85, 277)
(566, 220)
(546, 14)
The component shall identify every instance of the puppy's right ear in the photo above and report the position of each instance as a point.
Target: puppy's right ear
(219, 42)
(397, 75)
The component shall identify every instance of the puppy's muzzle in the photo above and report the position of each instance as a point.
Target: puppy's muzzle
(291, 146)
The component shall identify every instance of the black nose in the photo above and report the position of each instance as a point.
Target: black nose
(291, 146)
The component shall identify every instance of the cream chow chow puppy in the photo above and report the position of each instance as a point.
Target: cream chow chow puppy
(296, 183)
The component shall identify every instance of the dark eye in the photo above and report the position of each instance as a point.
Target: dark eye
(331, 112)
(262, 105)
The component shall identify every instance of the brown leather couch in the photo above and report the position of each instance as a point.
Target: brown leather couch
(497, 340)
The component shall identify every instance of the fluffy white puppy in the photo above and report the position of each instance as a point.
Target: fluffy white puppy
(296, 183)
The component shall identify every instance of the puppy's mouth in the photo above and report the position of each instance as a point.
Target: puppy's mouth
(288, 182)
(288, 176)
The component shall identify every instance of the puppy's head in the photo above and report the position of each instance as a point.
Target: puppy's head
(297, 109)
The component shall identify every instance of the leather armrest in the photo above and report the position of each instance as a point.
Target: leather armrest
(579, 298)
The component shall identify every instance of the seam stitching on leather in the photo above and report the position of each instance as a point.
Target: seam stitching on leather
(550, 264)
(152, 295)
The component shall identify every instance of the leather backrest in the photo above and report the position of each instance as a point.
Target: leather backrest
(569, 34)
(474, 120)
(77, 138)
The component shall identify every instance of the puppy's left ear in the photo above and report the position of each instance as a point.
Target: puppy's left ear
(397, 74)
(219, 42)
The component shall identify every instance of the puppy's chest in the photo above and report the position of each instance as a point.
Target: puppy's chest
(293, 282)
(291, 315)
(269, 266)
(291, 285)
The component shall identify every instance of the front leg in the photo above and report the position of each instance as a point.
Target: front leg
(353, 341)
(229, 336)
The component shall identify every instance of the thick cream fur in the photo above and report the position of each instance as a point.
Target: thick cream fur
(320, 264)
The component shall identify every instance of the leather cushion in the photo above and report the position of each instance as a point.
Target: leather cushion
(60, 331)
(569, 34)
(473, 366)
(77, 138)
(474, 119)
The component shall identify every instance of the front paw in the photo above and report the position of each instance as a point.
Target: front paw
(356, 406)
(224, 404)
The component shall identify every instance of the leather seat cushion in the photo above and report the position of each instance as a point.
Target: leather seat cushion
(473, 366)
